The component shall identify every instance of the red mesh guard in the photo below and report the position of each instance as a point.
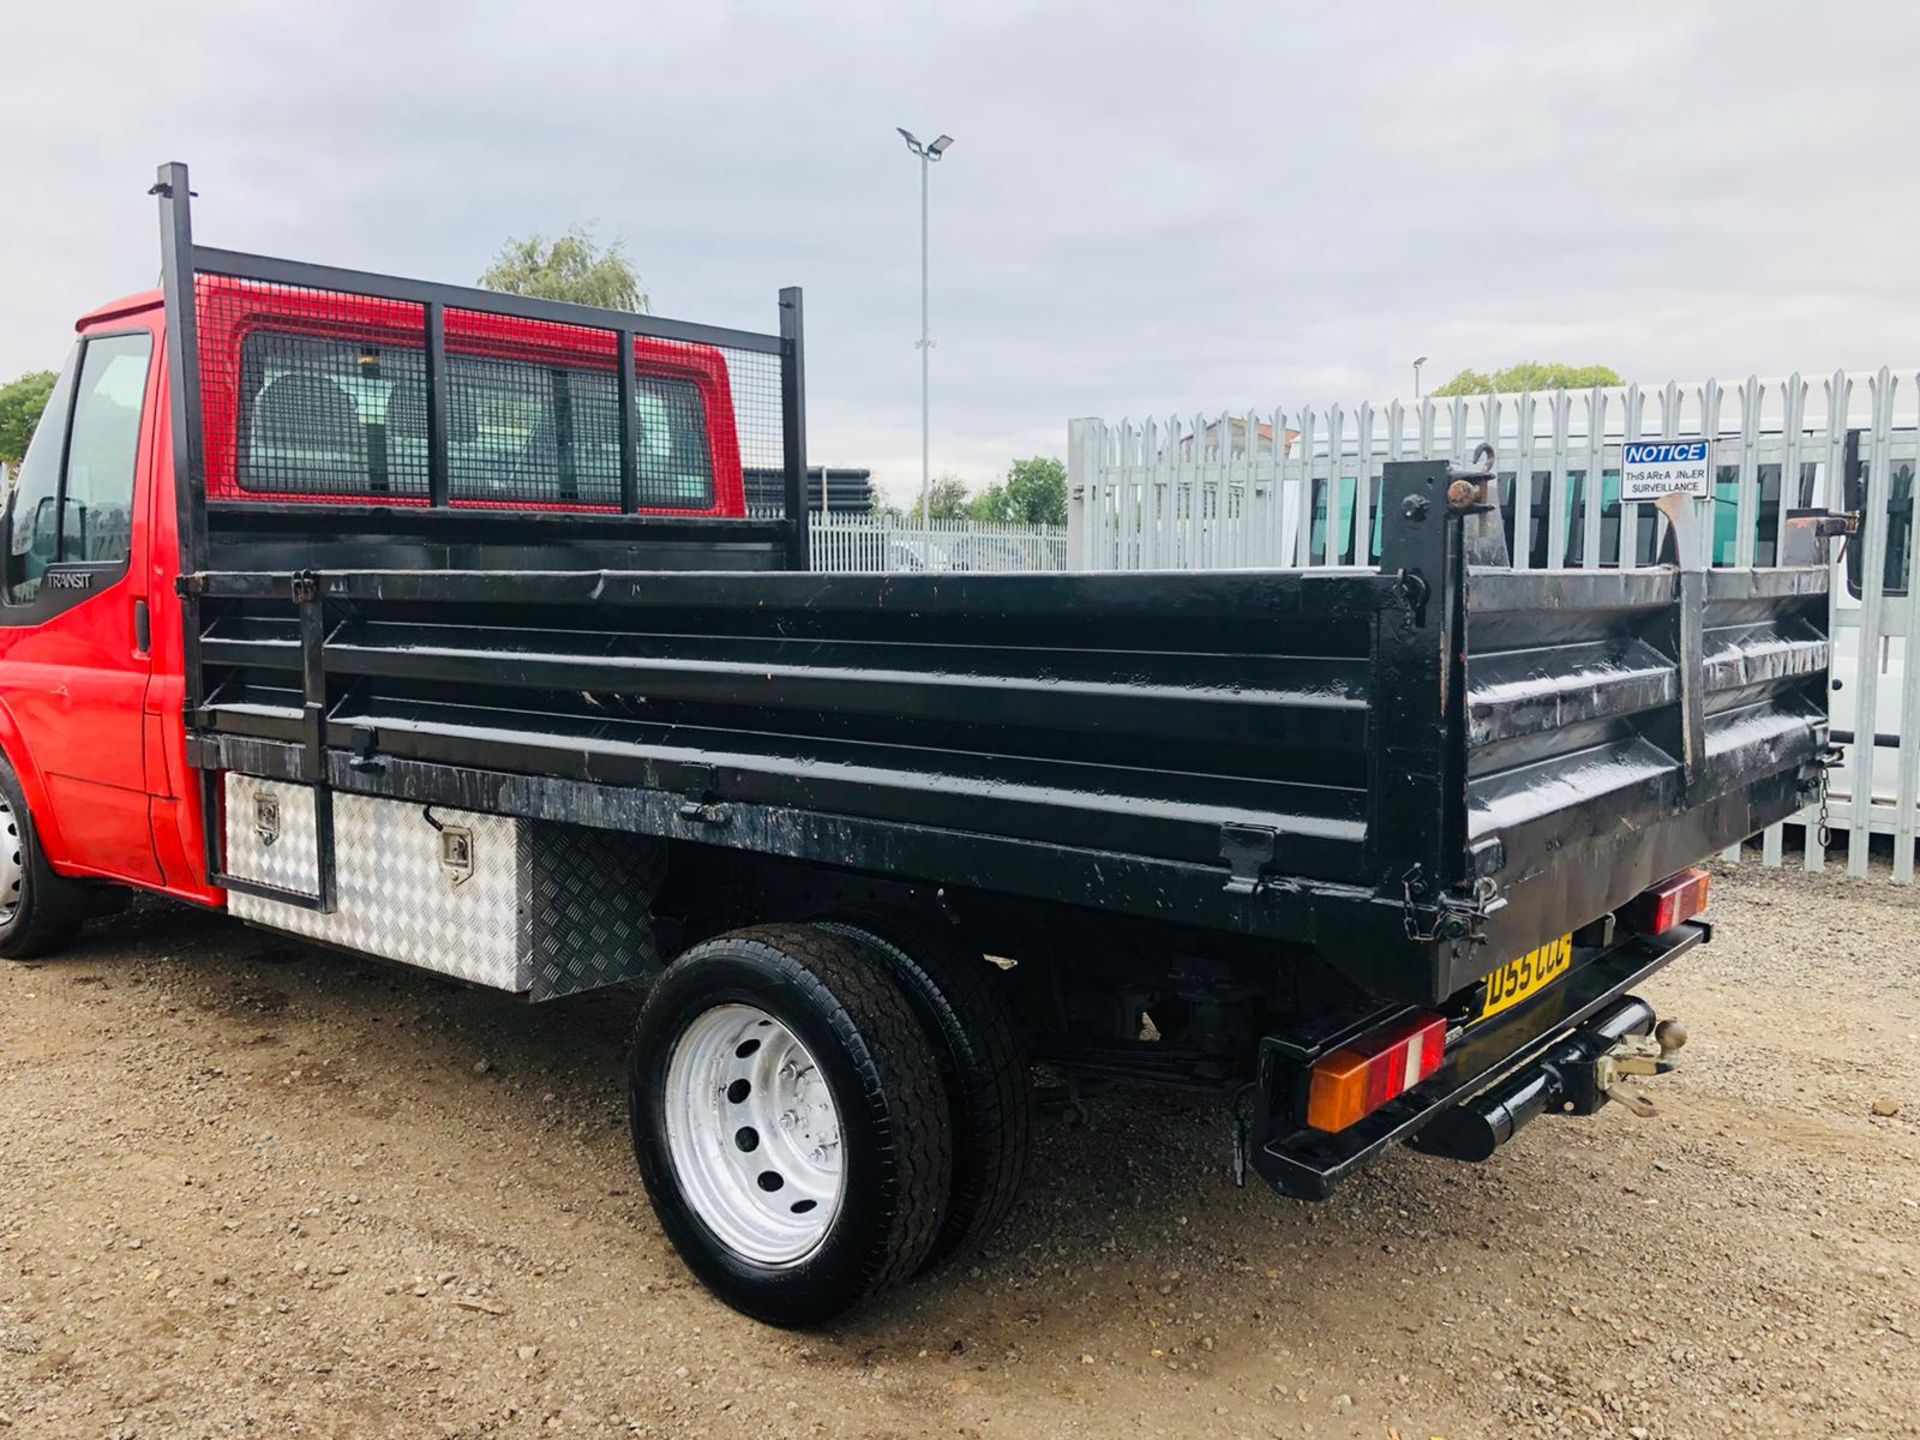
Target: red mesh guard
(320, 397)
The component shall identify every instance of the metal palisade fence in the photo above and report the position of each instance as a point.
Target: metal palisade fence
(870, 543)
(1301, 488)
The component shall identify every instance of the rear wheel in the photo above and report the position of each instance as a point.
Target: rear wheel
(789, 1122)
(983, 1065)
(40, 912)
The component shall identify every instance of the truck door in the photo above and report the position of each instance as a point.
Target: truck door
(73, 639)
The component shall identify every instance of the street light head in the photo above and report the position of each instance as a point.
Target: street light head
(939, 147)
(1420, 360)
(912, 144)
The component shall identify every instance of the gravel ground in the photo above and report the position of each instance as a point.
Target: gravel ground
(248, 1187)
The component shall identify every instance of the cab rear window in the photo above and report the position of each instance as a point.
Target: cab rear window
(326, 416)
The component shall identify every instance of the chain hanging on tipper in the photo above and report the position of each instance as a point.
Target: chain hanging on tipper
(1825, 832)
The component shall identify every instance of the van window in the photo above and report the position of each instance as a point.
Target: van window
(313, 416)
(337, 417)
(1342, 551)
(1894, 511)
(33, 507)
(1646, 533)
(96, 505)
(84, 515)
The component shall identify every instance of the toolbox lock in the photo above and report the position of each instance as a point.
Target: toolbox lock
(266, 816)
(456, 847)
(456, 853)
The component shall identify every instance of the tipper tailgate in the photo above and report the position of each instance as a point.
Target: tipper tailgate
(1624, 724)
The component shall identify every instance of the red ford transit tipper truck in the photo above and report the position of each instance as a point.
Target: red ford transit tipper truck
(430, 624)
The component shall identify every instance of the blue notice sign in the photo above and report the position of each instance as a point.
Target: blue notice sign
(1652, 468)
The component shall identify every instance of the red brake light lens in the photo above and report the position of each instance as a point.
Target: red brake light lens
(1360, 1077)
(1672, 902)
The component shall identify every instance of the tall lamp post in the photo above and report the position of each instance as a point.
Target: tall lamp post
(1418, 362)
(928, 153)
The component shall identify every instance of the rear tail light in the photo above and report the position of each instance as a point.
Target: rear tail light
(1358, 1078)
(1673, 901)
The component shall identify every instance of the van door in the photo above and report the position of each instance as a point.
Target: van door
(1871, 743)
(74, 660)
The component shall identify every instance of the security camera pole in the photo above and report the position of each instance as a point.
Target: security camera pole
(928, 153)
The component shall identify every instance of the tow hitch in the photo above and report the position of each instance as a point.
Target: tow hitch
(1576, 1078)
(1638, 1055)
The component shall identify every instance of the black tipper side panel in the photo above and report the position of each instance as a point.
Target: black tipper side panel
(1579, 785)
(1132, 713)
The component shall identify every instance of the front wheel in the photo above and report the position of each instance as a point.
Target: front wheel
(789, 1121)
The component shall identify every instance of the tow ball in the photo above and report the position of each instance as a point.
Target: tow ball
(1638, 1055)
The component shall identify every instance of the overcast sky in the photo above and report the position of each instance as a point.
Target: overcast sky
(1147, 208)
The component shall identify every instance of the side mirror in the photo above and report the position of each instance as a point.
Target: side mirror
(45, 544)
(9, 563)
(1853, 497)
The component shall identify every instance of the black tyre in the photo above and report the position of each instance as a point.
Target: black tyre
(956, 994)
(40, 912)
(789, 1121)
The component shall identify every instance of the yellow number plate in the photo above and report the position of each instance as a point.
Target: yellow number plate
(1527, 976)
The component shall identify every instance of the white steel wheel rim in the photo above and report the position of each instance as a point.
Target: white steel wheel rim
(13, 869)
(753, 1134)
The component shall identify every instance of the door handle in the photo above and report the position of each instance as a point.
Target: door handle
(142, 627)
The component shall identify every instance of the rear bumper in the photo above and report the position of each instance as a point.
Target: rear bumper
(1308, 1164)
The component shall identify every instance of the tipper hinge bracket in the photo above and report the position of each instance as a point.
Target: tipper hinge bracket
(1432, 914)
(1247, 849)
(700, 784)
(366, 749)
(1414, 590)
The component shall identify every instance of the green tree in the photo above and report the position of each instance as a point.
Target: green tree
(990, 505)
(1034, 493)
(574, 266)
(21, 402)
(1530, 375)
(1037, 491)
(1467, 382)
(948, 499)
